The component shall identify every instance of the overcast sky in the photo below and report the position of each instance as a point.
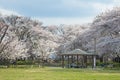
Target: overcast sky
(58, 11)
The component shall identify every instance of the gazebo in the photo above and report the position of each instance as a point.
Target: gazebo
(78, 53)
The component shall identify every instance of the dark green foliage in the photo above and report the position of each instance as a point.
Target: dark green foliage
(26, 62)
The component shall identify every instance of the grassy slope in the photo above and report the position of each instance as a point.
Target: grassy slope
(57, 74)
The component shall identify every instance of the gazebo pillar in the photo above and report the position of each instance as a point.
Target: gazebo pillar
(68, 62)
(94, 61)
(85, 61)
(72, 58)
(62, 61)
(77, 59)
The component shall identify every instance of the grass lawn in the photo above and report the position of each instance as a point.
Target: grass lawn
(57, 74)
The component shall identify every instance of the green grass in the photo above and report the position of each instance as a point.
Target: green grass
(57, 74)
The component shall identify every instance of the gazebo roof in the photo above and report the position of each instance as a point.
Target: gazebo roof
(77, 52)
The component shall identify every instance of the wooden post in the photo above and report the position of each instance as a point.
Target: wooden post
(94, 61)
(101, 59)
(72, 58)
(68, 62)
(62, 61)
(85, 61)
(82, 60)
(77, 59)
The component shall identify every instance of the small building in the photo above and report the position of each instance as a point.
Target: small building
(76, 55)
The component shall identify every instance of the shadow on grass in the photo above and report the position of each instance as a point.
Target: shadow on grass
(88, 70)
